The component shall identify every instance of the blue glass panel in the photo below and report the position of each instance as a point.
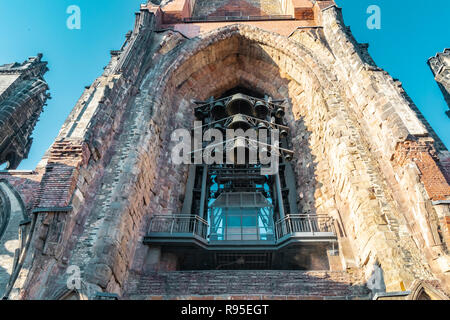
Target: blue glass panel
(249, 221)
(233, 221)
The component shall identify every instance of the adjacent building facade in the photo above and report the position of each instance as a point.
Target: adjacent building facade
(23, 93)
(357, 208)
(440, 66)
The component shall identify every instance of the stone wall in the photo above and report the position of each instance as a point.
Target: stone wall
(388, 112)
(298, 285)
(223, 8)
(20, 188)
(358, 195)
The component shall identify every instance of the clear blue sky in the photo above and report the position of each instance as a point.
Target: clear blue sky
(411, 32)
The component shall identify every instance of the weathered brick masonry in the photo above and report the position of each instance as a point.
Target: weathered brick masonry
(363, 155)
(312, 285)
(424, 156)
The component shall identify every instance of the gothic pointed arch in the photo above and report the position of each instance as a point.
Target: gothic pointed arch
(14, 236)
(423, 290)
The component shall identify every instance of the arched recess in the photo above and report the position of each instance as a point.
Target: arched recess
(325, 140)
(13, 238)
(10, 161)
(245, 56)
(67, 294)
(242, 55)
(5, 212)
(422, 290)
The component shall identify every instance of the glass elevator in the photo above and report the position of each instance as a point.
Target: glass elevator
(238, 212)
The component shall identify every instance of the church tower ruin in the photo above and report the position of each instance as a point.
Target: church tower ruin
(23, 93)
(358, 206)
(440, 66)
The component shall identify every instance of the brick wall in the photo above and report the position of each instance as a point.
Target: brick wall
(422, 153)
(235, 284)
(61, 174)
(26, 185)
(222, 8)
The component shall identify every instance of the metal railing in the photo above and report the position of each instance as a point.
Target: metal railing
(314, 225)
(301, 223)
(179, 223)
(238, 18)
